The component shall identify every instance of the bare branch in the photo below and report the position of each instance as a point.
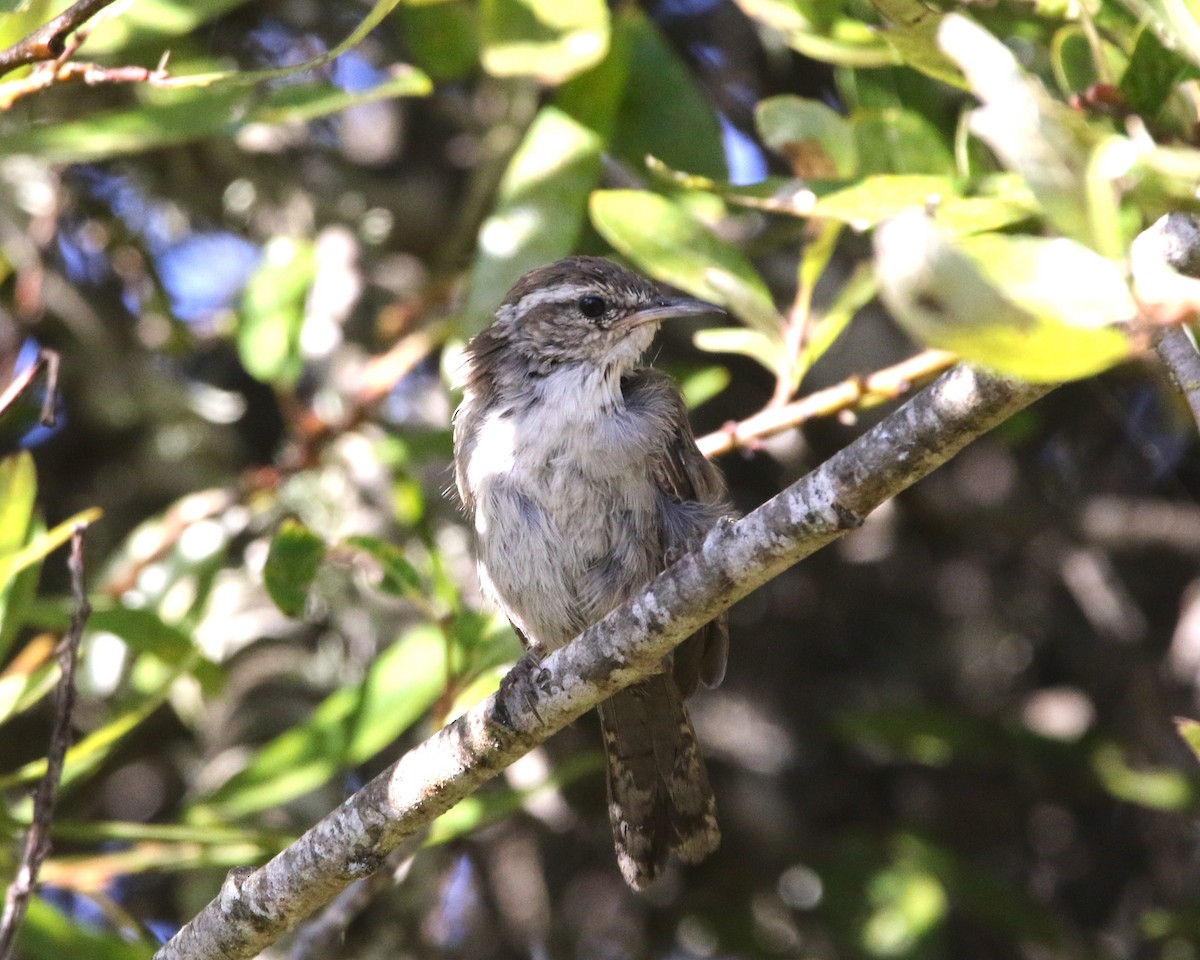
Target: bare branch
(37, 841)
(536, 700)
(49, 41)
(886, 384)
(90, 74)
(21, 383)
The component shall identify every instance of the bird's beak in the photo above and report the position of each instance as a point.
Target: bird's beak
(669, 308)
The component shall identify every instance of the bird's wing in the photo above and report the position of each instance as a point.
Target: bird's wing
(691, 501)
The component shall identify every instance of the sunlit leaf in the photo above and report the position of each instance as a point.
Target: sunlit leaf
(349, 727)
(19, 692)
(1189, 730)
(906, 903)
(151, 21)
(292, 563)
(545, 39)
(539, 210)
(912, 31)
(838, 39)
(664, 240)
(1005, 305)
(18, 493)
(1158, 788)
(702, 385)
(272, 311)
(1031, 133)
(44, 544)
(754, 344)
(182, 116)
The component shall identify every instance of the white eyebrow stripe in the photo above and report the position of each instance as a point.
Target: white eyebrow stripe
(555, 294)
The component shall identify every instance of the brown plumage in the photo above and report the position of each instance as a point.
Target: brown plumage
(582, 477)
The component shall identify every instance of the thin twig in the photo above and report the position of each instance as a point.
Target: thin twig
(21, 383)
(37, 841)
(49, 41)
(93, 75)
(885, 384)
(536, 700)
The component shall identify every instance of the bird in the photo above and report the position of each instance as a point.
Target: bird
(579, 471)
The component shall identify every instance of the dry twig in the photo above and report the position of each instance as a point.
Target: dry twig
(886, 384)
(37, 841)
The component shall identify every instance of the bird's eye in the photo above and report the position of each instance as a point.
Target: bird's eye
(592, 307)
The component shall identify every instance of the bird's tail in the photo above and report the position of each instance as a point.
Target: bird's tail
(659, 798)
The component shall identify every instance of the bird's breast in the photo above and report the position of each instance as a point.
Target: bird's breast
(565, 515)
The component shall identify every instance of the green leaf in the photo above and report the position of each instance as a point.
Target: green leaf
(898, 140)
(292, 562)
(146, 632)
(1031, 133)
(179, 116)
(48, 934)
(1189, 730)
(858, 290)
(660, 99)
(539, 211)
(92, 750)
(836, 38)
(913, 34)
(441, 38)
(349, 727)
(43, 544)
(1159, 788)
(875, 199)
(18, 494)
(1152, 74)
(544, 39)
(1005, 305)
(702, 385)
(398, 576)
(664, 240)
(748, 343)
(19, 692)
(272, 311)
(152, 22)
(818, 142)
(906, 903)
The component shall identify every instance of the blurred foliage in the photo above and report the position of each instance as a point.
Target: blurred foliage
(950, 735)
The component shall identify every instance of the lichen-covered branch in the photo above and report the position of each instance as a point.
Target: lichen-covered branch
(255, 906)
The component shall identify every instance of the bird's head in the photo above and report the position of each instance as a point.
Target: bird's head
(580, 310)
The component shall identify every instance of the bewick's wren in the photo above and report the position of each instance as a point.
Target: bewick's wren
(583, 479)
